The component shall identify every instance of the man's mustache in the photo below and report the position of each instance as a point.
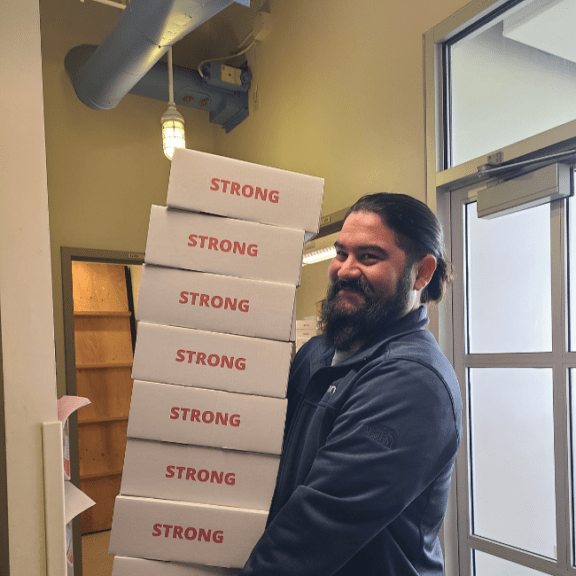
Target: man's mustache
(358, 285)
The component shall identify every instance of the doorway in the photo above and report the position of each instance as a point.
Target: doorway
(100, 290)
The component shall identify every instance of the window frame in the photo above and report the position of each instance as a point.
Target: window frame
(439, 178)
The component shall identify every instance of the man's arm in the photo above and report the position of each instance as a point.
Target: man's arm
(393, 436)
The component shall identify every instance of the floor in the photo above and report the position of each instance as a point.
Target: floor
(95, 558)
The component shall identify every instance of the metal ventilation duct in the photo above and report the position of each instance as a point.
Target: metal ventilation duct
(146, 28)
(226, 103)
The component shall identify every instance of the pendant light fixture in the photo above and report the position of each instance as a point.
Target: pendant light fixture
(173, 135)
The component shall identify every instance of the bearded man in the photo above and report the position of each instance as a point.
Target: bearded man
(374, 409)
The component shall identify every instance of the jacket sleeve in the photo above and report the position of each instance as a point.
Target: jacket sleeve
(390, 439)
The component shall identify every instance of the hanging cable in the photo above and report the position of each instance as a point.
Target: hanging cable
(170, 78)
(173, 134)
(247, 39)
(225, 57)
(110, 3)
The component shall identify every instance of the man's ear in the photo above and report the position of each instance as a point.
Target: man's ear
(425, 269)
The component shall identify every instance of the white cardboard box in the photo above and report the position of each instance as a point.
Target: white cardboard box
(216, 303)
(124, 566)
(188, 357)
(310, 323)
(303, 333)
(206, 417)
(227, 246)
(217, 185)
(199, 474)
(300, 341)
(184, 531)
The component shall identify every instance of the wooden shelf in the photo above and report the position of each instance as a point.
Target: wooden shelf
(104, 357)
(103, 365)
(101, 420)
(121, 313)
(106, 474)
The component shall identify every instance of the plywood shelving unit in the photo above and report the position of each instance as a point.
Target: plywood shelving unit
(103, 344)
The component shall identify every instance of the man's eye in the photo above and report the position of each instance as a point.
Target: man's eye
(341, 255)
(369, 258)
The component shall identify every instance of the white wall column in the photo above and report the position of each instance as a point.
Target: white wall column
(26, 317)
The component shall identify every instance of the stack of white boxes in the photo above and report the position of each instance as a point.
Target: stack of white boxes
(306, 329)
(216, 325)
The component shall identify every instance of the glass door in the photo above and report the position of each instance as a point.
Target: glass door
(513, 363)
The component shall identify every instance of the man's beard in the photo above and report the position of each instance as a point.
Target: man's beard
(345, 327)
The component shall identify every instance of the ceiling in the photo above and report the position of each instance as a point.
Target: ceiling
(220, 36)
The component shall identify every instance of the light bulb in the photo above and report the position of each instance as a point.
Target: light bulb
(173, 135)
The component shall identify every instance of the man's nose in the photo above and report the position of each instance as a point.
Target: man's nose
(349, 269)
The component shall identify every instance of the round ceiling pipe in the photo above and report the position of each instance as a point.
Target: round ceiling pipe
(146, 28)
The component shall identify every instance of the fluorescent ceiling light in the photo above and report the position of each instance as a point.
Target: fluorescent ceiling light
(319, 255)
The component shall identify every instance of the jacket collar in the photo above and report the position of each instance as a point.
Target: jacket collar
(413, 321)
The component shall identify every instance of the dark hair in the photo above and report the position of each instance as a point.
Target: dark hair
(418, 232)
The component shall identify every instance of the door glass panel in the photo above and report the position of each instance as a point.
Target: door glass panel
(572, 380)
(513, 80)
(487, 565)
(512, 457)
(508, 304)
(572, 271)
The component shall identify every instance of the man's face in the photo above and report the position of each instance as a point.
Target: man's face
(369, 282)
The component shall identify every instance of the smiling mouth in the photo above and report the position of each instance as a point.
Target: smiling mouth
(352, 288)
(350, 293)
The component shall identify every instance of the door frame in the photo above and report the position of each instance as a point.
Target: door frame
(69, 255)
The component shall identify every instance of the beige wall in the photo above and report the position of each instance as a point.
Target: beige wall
(337, 93)
(340, 95)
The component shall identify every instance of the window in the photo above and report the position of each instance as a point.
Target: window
(508, 77)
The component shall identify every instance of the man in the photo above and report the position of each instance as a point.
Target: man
(374, 408)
